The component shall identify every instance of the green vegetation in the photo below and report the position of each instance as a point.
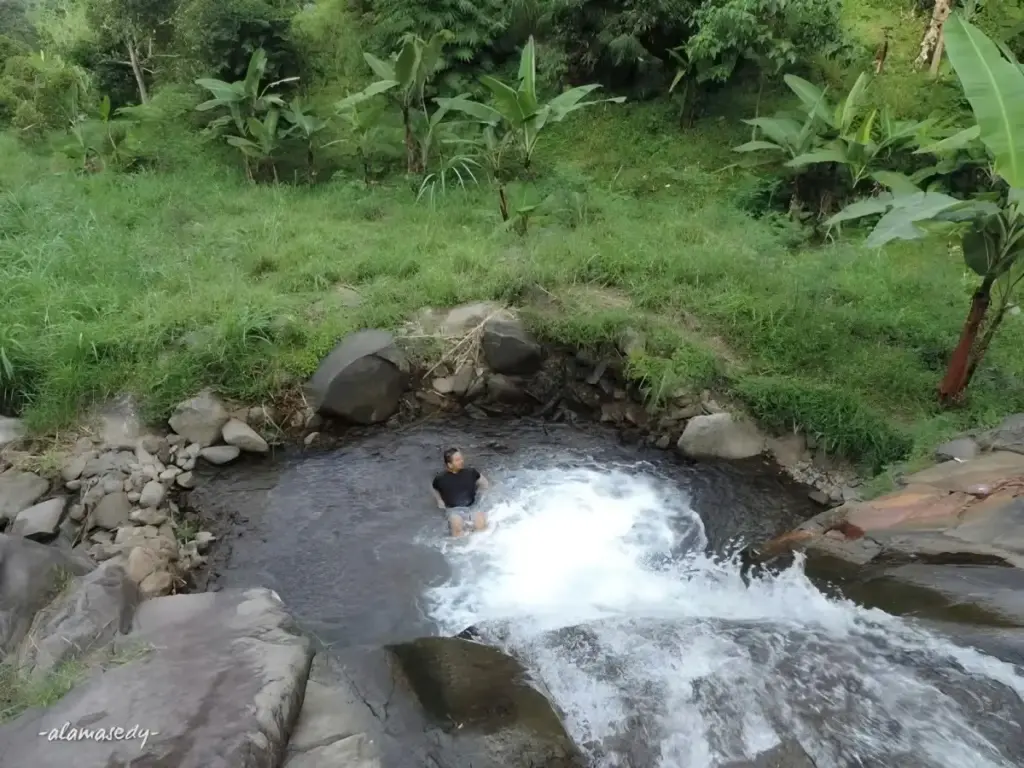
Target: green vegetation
(19, 692)
(214, 234)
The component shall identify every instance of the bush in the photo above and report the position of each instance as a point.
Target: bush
(217, 39)
(42, 93)
(640, 46)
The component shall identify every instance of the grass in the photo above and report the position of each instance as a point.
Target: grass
(19, 693)
(165, 282)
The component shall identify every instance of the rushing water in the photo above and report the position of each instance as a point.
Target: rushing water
(596, 572)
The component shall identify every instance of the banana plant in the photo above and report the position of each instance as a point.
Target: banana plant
(518, 109)
(308, 126)
(244, 98)
(407, 76)
(841, 134)
(366, 136)
(266, 140)
(991, 231)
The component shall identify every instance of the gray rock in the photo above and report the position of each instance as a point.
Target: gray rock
(502, 389)
(509, 348)
(112, 511)
(152, 494)
(361, 380)
(149, 516)
(220, 454)
(75, 466)
(31, 575)
(721, 436)
(330, 730)
(86, 616)
(42, 521)
(218, 679)
(962, 449)
(18, 491)
(403, 698)
(200, 419)
(108, 463)
(973, 594)
(241, 435)
(11, 430)
(1008, 436)
(185, 480)
(119, 423)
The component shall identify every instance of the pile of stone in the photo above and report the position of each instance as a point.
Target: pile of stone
(115, 497)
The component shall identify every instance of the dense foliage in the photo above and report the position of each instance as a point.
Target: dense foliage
(466, 105)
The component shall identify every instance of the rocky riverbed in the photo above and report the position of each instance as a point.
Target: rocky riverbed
(97, 554)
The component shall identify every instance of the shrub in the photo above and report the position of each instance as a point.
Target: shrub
(42, 92)
(218, 38)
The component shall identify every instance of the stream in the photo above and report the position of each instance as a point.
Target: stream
(605, 570)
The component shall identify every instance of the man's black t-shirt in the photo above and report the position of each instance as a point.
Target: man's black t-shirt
(457, 489)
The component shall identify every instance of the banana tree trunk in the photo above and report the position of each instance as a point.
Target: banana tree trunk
(140, 80)
(981, 348)
(412, 155)
(933, 35)
(953, 384)
(502, 202)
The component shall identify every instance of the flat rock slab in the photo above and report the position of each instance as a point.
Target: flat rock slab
(86, 616)
(996, 591)
(31, 575)
(916, 506)
(998, 524)
(216, 679)
(964, 476)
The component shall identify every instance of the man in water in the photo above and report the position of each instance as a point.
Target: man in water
(456, 490)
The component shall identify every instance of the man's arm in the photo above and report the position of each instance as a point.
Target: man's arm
(482, 483)
(437, 495)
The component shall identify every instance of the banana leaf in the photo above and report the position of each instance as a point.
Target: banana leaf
(994, 87)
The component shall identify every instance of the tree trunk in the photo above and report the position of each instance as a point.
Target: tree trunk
(502, 203)
(140, 80)
(981, 348)
(953, 384)
(937, 57)
(933, 34)
(412, 155)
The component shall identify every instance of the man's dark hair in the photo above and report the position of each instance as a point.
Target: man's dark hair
(449, 454)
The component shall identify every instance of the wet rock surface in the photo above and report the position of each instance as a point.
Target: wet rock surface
(952, 538)
(232, 705)
(440, 702)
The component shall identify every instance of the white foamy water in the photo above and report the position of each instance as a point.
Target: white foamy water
(661, 656)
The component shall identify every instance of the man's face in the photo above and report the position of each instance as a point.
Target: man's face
(456, 462)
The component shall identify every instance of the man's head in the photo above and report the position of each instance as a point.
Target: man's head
(453, 460)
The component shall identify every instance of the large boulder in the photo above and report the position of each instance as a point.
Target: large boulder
(200, 419)
(443, 702)
(1008, 436)
(509, 348)
(214, 680)
(41, 521)
(31, 575)
(19, 491)
(86, 616)
(362, 380)
(721, 436)
(11, 430)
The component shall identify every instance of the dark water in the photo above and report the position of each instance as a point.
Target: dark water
(595, 572)
(349, 538)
